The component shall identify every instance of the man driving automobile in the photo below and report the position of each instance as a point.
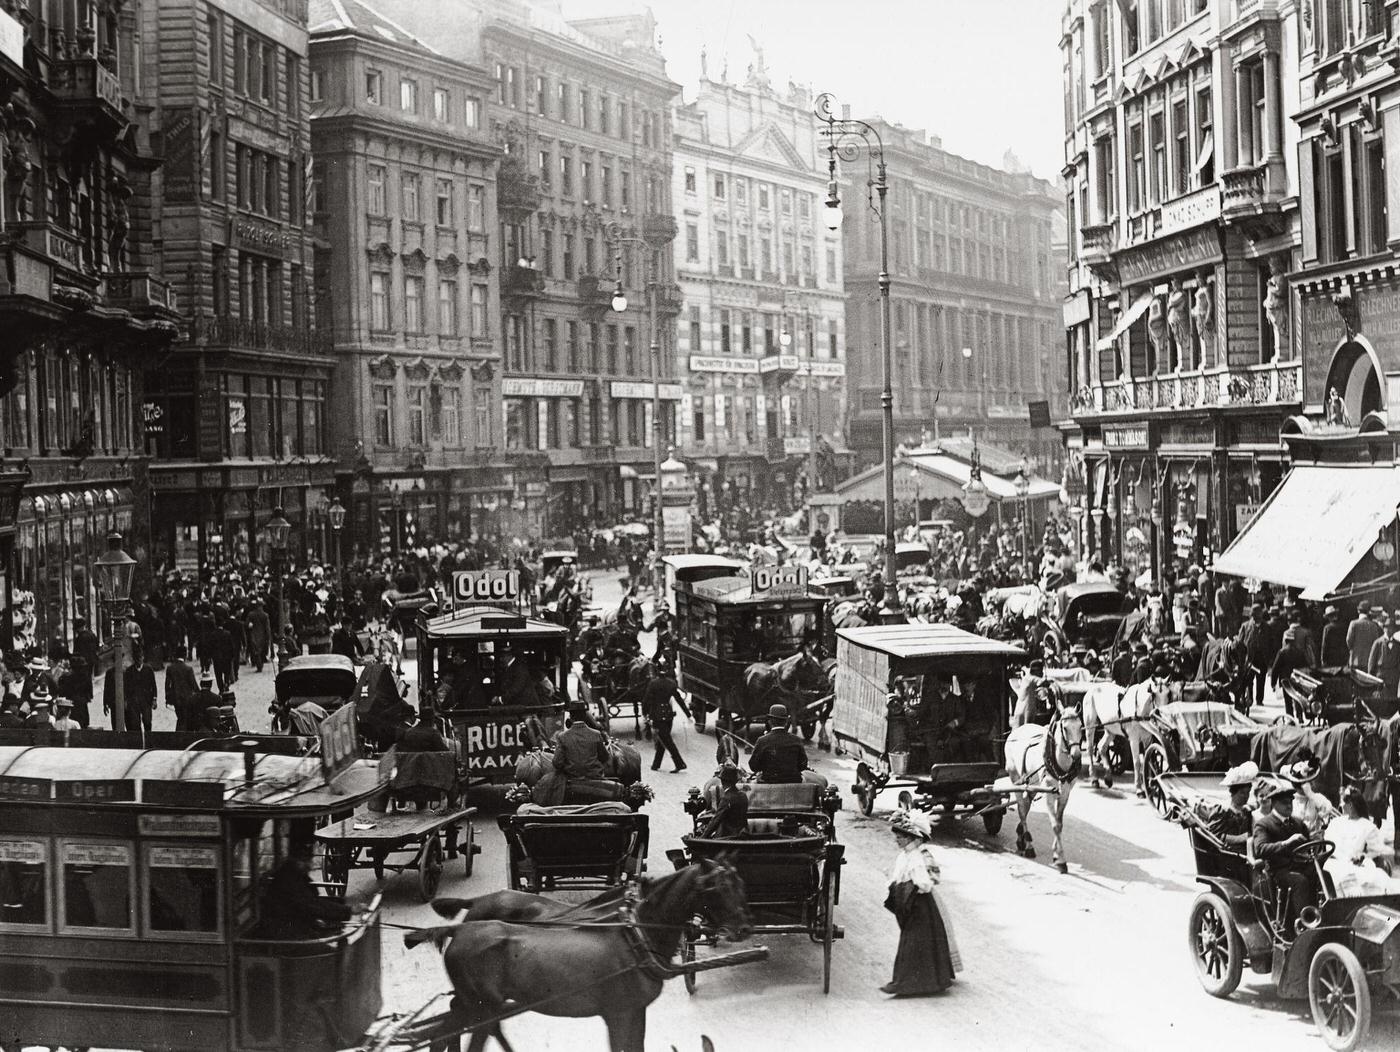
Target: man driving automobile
(1277, 837)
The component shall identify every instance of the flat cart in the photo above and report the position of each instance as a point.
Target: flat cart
(925, 707)
(587, 847)
(425, 841)
(724, 624)
(499, 680)
(790, 863)
(1343, 953)
(136, 894)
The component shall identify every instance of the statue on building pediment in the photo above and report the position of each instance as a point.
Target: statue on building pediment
(704, 63)
(1179, 324)
(1276, 308)
(1203, 315)
(757, 78)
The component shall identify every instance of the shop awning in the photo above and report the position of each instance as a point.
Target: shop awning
(1207, 150)
(627, 471)
(1131, 315)
(1315, 528)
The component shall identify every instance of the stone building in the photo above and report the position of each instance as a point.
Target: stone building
(242, 403)
(761, 336)
(1184, 199)
(405, 202)
(581, 110)
(83, 307)
(974, 293)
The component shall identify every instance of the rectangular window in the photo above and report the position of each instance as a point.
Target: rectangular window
(483, 421)
(585, 180)
(563, 109)
(830, 263)
(626, 189)
(1137, 169)
(566, 175)
(689, 180)
(568, 257)
(417, 414)
(476, 208)
(692, 243)
(785, 201)
(1181, 140)
(378, 175)
(379, 300)
(763, 201)
(612, 349)
(214, 22)
(24, 884)
(571, 336)
(1158, 138)
(515, 343)
(447, 307)
(450, 415)
(471, 112)
(413, 303)
(726, 340)
(551, 345)
(741, 190)
(97, 887)
(412, 212)
(585, 106)
(719, 187)
(697, 417)
(479, 316)
(441, 107)
(182, 890)
(1375, 194)
(694, 330)
(1205, 142)
(318, 86)
(444, 202)
(374, 87)
(722, 247)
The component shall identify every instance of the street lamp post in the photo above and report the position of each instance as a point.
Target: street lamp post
(336, 514)
(114, 572)
(847, 137)
(278, 530)
(619, 305)
(1023, 490)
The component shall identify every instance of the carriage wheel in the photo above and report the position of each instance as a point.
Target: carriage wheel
(865, 788)
(1340, 997)
(429, 868)
(828, 929)
(688, 957)
(1120, 760)
(1154, 765)
(335, 864)
(468, 850)
(1216, 947)
(991, 821)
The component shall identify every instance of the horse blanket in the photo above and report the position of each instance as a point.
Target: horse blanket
(1275, 747)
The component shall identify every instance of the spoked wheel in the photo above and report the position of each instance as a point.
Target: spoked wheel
(1340, 997)
(468, 850)
(1216, 947)
(688, 957)
(865, 788)
(335, 864)
(1154, 765)
(430, 868)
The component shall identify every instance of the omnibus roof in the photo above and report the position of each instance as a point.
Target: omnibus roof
(698, 561)
(924, 641)
(282, 786)
(733, 591)
(466, 624)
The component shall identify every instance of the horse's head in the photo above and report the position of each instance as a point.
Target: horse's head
(723, 899)
(1067, 732)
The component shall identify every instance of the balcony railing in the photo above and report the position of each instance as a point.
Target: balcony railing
(84, 82)
(1273, 383)
(516, 190)
(1242, 188)
(1099, 241)
(658, 229)
(598, 454)
(224, 329)
(138, 291)
(521, 281)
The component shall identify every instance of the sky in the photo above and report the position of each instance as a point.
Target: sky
(982, 74)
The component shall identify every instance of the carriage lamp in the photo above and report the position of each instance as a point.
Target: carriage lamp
(832, 212)
(115, 570)
(619, 301)
(785, 337)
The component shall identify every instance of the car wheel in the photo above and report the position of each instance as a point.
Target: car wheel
(1340, 997)
(1216, 947)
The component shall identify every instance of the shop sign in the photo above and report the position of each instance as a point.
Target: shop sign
(1244, 514)
(633, 389)
(178, 825)
(675, 524)
(211, 423)
(153, 418)
(1377, 310)
(702, 364)
(260, 235)
(797, 445)
(975, 501)
(827, 368)
(772, 582)
(340, 746)
(529, 387)
(1173, 255)
(1192, 210)
(779, 363)
(1125, 437)
(237, 416)
(1076, 309)
(495, 746)
(95, 790)
(1187, 433)
(13, 787)
(1184, 539)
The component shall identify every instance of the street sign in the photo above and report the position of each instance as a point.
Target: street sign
(1040, 414)
(975, 500)
(340, 742)
(485, 586)
(774, 581)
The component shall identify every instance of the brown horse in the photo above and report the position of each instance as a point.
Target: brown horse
(596, 959)
(799, 682)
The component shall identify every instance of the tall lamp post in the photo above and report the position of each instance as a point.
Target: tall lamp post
(336, 514)
(619, 305)
(278, 530)
(1023, 490)
(114, 572)
(847, 137)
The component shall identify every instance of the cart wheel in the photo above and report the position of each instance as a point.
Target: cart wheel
(1215, 945)
(468, 849)
(906, 800)
(991, 821)
(688, 957)
(429, 868)
(1154, 765)
(1340, 997)
(335, 864)
(864, 788)
(828, 930)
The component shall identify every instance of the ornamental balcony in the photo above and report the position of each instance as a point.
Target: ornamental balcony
(669, 299)
(1099, 240)
(594, 293)
(227, 330)
(516, 189)
(139, 292)
(658, 229)
(520, 282)
(89, 93)
(1252, 196)
(1273, 383)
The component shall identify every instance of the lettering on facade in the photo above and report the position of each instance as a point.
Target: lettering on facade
(259, 235)
(633, 389)
(237, 417)
(211, 424)
(702, 364)
(246, 129)
(1378, 314)
(1125, 437)
(180, 171)
(153, 418)
(524, 387)
(1187, 434)
(1192, 210)
(62, 248)
(1196, 248)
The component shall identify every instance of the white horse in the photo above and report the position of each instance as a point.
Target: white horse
(1045, 759)
(1121, 713)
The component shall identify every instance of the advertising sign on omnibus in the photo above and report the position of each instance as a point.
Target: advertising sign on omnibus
(485, 586)
(340, 744)
(775, 581)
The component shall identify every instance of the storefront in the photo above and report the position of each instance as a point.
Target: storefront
(1350, 333)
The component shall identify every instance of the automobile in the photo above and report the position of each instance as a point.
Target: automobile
(1088, 612)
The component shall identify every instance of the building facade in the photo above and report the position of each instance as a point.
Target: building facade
(1184, 203)
(404, 191)
(761, 348)
(581, 111)
(974, 295)
(238, 415)
(83, 305)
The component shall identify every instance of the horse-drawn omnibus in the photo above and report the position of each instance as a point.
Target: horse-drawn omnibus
(134, 906)
(727, 626)
(499, 679)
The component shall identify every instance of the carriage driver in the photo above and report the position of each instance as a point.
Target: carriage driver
(1277, 835)
(779, 755)
(1036, 698)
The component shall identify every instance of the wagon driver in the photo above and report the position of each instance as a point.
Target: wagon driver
(779, 755)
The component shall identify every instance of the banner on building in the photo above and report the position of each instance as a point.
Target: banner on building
(180, 169)
(1040, 414)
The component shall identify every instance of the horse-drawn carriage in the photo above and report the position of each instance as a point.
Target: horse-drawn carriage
(1341, 952)
(1337, 695)
(743, 649)
(575, 847)
(789, 861)
(310, 688)
(925, 707)
(1088, 613)
(614, 688)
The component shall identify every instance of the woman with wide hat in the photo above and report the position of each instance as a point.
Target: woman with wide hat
(927, 957)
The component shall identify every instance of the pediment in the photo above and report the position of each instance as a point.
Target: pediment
(769, 144)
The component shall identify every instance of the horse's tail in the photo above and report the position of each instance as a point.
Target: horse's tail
(439, 936)
(449, 908)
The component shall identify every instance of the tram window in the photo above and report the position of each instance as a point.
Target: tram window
(97, 879)
(182, 889)
(24, 882)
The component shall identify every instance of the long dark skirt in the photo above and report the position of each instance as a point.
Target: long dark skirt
(924, 962)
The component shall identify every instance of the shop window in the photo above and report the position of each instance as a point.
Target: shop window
(24, 884)
(97, 887)
(182, 890)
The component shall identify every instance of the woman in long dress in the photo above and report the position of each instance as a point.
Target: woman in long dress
(928, 952)
(1360, 861)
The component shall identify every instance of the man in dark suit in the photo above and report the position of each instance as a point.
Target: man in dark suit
(779, 755)
(85, 643)
(1362, 634)
(1334, 639)
(1277, 835)
(180, 689)
(140, 691)
(1258, 653)
(219, 641)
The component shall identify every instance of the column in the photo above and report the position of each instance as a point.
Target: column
(1273, 111)
(1226, 136)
